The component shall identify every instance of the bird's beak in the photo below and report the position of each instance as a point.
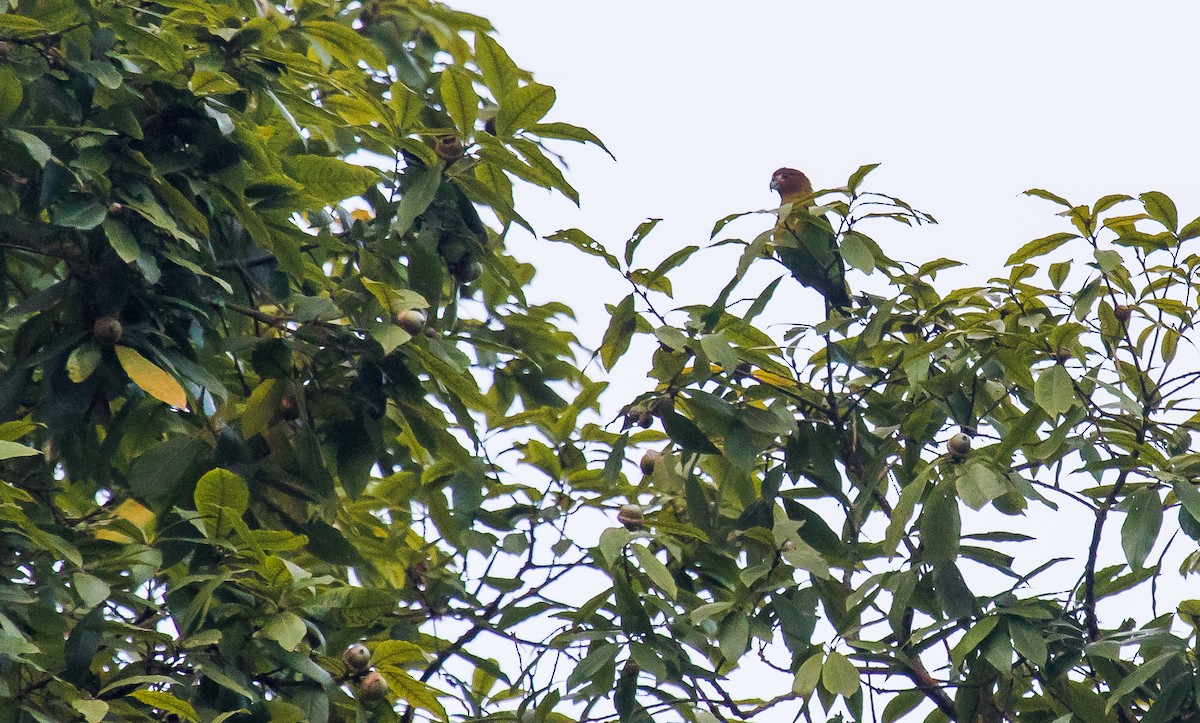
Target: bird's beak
(774, 183)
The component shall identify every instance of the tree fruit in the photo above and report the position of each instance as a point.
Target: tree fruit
(107, 331)
(357, 658)
(468, 272)
(631, 516)
(411, 321)
(1123, 313)
(449, 148)
(453, 249)
(1063, 355)
(959, 445)
(372, 686)
(431, 333)
(649, 459)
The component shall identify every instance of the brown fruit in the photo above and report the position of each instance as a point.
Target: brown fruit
(431, 333)
(107, 330)
(1123, 313)
(1063, 355)
(449, 148)
(411, 321)
(357, 658)
(959, 445)
(631, 516)
(649, 459)
(115, 208)
(372, 686)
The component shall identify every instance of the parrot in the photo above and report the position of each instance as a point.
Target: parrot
(806, 243)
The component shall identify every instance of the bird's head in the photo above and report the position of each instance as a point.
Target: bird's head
(790, 184)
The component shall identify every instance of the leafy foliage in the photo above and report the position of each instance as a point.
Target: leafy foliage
(271, 387)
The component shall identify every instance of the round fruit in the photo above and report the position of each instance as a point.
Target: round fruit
(959, 445)
(357, 658)
(372, 687)
(649, 459)
(449, 148)
(431, 333)
(1123, 313)
(107, 330)
(631, 516)
(411, 321)
(469, 272)
(453, 250)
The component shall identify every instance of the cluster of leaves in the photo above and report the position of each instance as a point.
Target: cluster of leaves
(250, 385)
(808, 502)
(254, 395)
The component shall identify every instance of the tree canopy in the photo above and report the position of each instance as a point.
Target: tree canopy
(282, 437)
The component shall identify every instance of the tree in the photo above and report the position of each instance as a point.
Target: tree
(284, 440)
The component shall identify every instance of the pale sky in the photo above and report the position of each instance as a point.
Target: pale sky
(966, 105)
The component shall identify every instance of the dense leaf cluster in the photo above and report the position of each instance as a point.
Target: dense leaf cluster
(281, 437)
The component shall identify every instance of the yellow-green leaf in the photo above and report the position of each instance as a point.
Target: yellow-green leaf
(8, 450)
(153, 380)
(460, 99)
(166, 702)
(221, 498)
(657, 572)
(838, 675)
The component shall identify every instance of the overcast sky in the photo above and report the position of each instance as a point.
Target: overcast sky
(966, 105)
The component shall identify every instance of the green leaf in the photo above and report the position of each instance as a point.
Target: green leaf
(329, 180)
(1188, 496)
(1039, 247)
(523, 107)
(980, 484)
(153, 380)
(1139, 677)
(1161, 208)
(221, 498)
(600, 656)
(345, 44)
(568, 132)
(857, 253)
(121, 240)
(9, 450)
(499, 71)
(1141, 527)
(1054, 390)
(619, 333)
(419, 189)
(586, 244)
(93, 711)
(11, 93)
(940, 525)
(92, 590)
(1040, 193)
(19, 26)
(972, 638)
(460, 99)
(808, 675)
(285, 628)
(902, 704)
(655, 570)
(36, 147)
(167, 703)
(838, 675)
(686, 434)
(733, 636)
